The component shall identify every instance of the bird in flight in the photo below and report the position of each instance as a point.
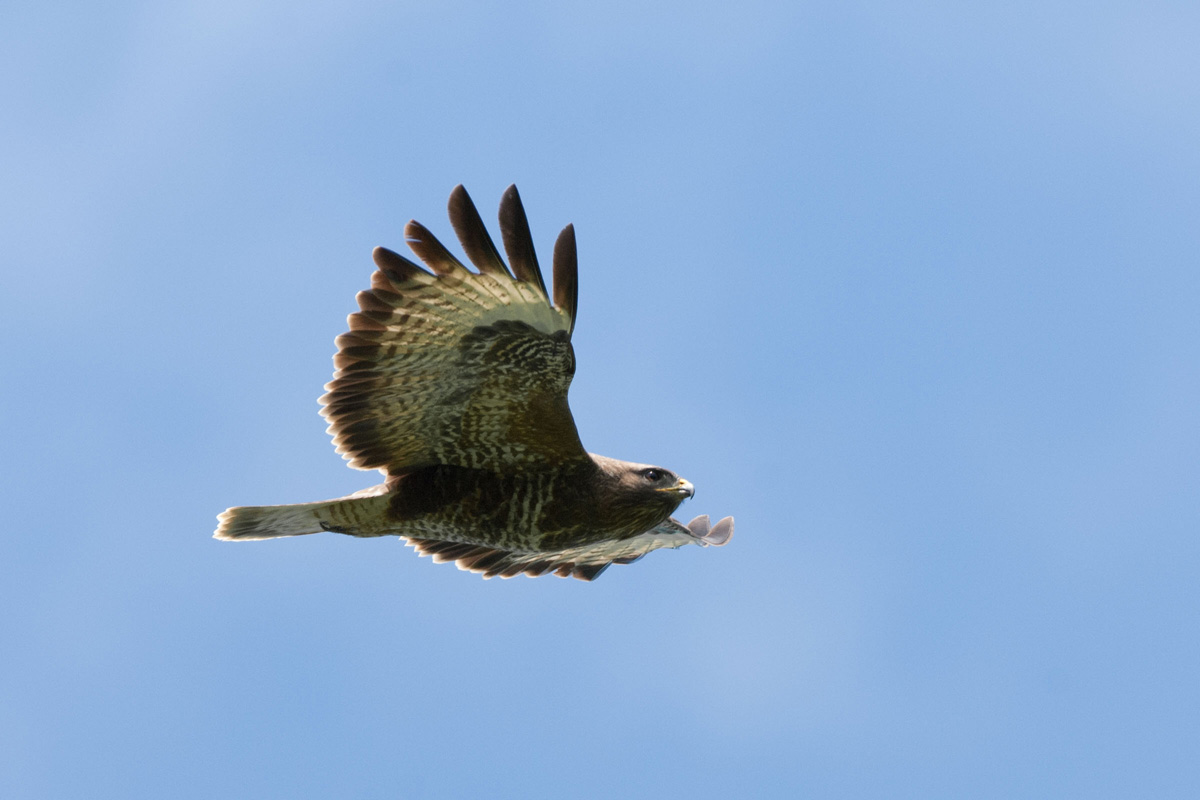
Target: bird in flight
(453, 384)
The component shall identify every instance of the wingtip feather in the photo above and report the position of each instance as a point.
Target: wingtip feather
(721, 533)
(396, 267)
(711, 535)
(473, 235)
(518, 242)
(566, 274)
(431, 251)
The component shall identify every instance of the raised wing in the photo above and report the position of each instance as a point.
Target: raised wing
(449, 366)
(586, 562)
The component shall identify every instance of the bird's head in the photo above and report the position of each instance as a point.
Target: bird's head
(636, 497)
(652, 487)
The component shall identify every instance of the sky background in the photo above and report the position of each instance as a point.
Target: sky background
(910, 289)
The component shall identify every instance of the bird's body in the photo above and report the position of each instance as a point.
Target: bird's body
(543, 509)
(454, 385)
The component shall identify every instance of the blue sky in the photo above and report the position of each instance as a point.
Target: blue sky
(910, 289)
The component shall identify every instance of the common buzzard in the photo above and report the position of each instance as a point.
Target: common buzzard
(453, 384)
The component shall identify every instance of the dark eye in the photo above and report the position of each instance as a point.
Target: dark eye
(653, 475)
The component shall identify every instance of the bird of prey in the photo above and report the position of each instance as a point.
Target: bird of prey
(453, 383)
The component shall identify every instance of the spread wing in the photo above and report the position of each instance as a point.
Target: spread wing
(585, 562)
(450, 366)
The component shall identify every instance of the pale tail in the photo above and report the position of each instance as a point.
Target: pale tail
(352, 515)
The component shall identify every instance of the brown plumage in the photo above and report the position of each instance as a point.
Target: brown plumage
(454, 384)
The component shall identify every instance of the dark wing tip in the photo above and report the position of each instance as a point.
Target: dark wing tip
(566, 273)
(427, 247)
(473, 235)
(518, 242)
(396, 267)
(588, 572)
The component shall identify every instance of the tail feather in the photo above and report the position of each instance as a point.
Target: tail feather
(358, 515)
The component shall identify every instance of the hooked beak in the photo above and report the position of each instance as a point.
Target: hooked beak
(682, 488)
